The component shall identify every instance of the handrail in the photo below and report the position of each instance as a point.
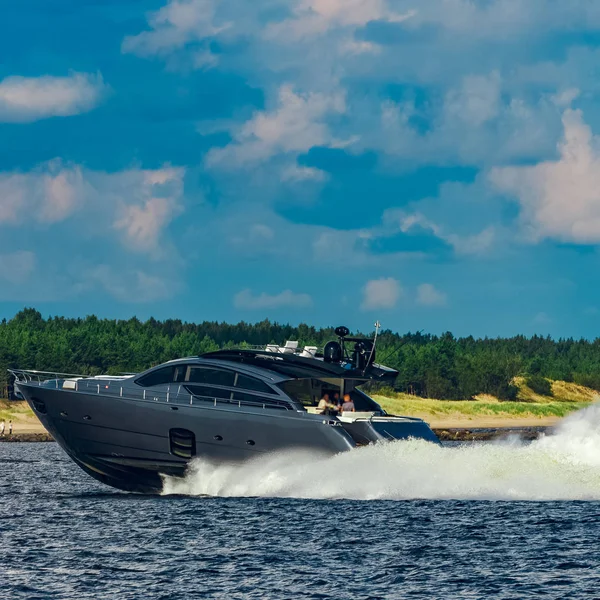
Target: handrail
(280, 349)
(28, 373)
(103, 387)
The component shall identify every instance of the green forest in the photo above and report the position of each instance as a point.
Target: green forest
(443, 367)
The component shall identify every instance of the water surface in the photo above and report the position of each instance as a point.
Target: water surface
(399, 521)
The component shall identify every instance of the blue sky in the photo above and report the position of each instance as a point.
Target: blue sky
(434, 164)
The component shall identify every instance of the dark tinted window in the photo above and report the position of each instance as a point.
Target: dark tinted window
(255, 385)
(208, 392)
(179, 372)
(158, 377)
(299, 390)
(247, 398)
(362, 402)
(211, 376)
(266, 402)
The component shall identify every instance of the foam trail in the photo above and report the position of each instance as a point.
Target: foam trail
(564, 466)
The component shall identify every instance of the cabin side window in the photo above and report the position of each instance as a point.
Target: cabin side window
(158, 377)
(252, 384)
(171, 374)
(210, 376)
(261, 400)
(205, 391)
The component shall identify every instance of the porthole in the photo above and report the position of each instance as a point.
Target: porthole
(87, 418)
(250, 442)
(174, 408)
(64, 413)
(219, 438)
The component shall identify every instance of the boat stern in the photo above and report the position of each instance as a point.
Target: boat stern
(366, 429)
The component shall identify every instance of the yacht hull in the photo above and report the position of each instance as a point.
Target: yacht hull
(130, 443)
(126, 443)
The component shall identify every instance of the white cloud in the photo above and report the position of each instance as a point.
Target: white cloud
(339, 248)
(564, 98)
(560, 199)
(245, 230)
(475, 244)
(137, 203)
(131, 285)
(48, 194)
(381, 294)
(428, 295)
(477, 100)
(247, 300)
(502, 18)
(61, 192)
(26, 99)
(142, 223)
(573, 76)
(317, 17)
(205, 59)
(257, 238)
(261, 232)
(295, 125)
(353, 46)
(176, 24)
(296, 173)
(17, 267)
(485, 120)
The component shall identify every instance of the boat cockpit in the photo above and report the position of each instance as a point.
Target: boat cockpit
(308, 393)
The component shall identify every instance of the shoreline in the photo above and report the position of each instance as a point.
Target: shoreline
(449, 434)
(452, 426)
(27, 437)
(487, 434)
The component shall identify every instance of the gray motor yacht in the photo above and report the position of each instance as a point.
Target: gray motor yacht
(229, 405)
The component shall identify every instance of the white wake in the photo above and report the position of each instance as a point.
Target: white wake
(563, 466)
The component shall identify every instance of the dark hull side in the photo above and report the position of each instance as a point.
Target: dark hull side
(125, 443)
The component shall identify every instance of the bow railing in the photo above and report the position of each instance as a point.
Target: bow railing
(109, 385)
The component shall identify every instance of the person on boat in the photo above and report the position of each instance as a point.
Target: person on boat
(10, 427)
(326, 407)
(337, 401)
(2, 427)
(348, 405)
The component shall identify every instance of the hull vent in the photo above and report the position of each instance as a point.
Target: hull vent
(39, 406)
(183, 443)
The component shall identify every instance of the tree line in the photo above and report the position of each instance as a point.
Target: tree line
(432, 366)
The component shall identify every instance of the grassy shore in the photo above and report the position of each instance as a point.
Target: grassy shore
(530, 409)
(24, 421)
(483, 411)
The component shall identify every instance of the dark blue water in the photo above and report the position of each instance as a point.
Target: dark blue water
(62, 535)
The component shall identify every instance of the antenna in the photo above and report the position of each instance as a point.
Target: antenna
(395, 351)
(377, 328)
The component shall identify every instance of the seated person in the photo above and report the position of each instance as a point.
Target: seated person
(326, 407)
(348, 405)
(337, 401)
